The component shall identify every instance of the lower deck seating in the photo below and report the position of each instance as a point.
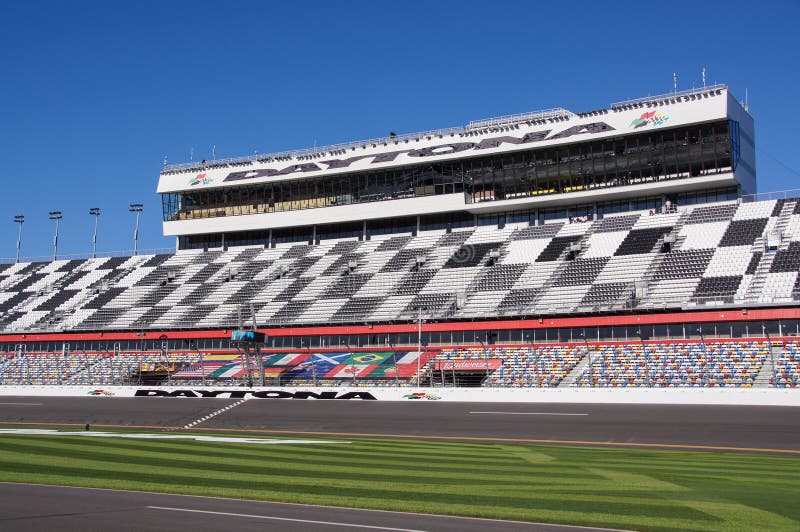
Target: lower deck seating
(544, 366)
(85, 368)
(687, 364)
(668, 365)
(787, 371)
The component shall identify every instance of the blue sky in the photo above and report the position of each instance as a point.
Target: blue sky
(95, 94)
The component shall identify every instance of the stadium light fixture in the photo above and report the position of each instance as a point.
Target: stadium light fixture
(20, 219)
(55, 215)
(137, 208)
(95, 211)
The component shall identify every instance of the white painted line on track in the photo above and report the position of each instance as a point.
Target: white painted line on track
(22, 404)
(214, 414)
(306, 505)
(159, 436)
(329, 523)
(532, 413)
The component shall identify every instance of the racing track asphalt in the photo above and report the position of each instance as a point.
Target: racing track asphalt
(759, 428)
(32, 508)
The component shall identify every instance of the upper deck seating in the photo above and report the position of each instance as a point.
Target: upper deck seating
(713, 254)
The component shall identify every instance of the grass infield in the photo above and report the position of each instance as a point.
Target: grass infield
(617, 488)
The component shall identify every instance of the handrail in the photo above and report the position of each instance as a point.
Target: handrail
(766, 196)
(557, 112)
(670, 96)
(340, 148)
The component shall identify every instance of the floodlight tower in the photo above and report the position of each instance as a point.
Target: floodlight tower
(137, 208)
(94, 211)
(20, 219)
(55, 215)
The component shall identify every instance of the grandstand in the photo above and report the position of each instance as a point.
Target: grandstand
(517, 251)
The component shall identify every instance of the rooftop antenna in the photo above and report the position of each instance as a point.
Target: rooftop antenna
(191, 154)
(746, 102)
(213, 152)
(165, 160)
(675, 83)
(704, 77)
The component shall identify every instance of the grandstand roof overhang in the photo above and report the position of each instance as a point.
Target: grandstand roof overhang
(555, 127)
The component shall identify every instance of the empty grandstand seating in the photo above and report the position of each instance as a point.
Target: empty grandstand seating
(787, 371)
(726, 253)
(715, 364)
(666, 365)
(85, 368)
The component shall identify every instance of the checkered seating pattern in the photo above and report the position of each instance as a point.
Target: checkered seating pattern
(715, 254)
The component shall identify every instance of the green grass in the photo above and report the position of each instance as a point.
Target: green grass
(619, 488)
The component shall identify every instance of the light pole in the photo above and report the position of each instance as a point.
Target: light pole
(589, 356)
(137, 208)
(536, 374)
(20, 219)
(771, 356)
(313, 363)
(55, 215)
(419, 342)
(94, 211)
(646, 363)
(705, 354)
(352, 364)
(485, 361)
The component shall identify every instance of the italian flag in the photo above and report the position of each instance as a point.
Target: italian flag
(289, 359)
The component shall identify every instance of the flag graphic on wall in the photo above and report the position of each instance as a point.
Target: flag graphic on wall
(319, 364)
(286, 359)
(369, 358)
(348, 371)
(275, 371)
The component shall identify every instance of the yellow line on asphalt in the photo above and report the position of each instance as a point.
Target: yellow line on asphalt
(510, 440)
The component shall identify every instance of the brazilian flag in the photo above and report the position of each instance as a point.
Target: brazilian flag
(369, 357)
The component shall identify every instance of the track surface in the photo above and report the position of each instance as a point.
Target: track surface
(735, 427)
(33, 508)
(25, 507)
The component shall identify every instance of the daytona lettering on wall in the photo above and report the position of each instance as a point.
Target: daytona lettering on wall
(260, 394)
(444, 149)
